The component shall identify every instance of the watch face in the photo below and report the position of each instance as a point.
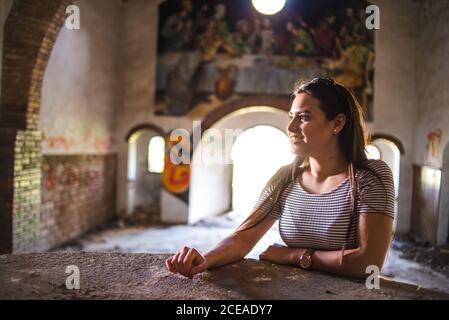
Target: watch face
(306, 262)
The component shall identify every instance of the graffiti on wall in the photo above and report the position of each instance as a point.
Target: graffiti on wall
(176, 177)
(433, 148)
(66, 175)
(77, 193)
(216, 51)
(71, 144)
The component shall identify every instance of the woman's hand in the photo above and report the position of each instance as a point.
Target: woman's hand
(187, 262)
(281, 255)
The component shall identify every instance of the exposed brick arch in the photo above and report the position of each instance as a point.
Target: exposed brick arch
(144, 126)
(281, 103)
(391, 138)
(30, 32)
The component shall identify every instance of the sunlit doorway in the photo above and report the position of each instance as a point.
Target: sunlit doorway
(388, 152)
(256, 154)
(146, 151)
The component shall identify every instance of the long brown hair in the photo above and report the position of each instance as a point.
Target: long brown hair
(334, 99)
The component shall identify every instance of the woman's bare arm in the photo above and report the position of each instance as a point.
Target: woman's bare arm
(188, 261)
(237, 245)
(374, 238)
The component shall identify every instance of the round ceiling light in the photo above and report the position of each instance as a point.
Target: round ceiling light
(268, 7)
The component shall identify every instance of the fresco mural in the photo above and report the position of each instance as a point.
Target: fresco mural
(221, 49)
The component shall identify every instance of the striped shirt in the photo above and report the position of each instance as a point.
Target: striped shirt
(321, 221)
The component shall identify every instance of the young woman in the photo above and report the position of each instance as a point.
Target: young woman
(335, 206)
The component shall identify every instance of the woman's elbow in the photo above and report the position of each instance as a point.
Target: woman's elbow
(370, 265)
(365, 265)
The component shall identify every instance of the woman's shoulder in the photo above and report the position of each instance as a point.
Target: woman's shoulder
(372, 168)
(377, 164)
(376, 188)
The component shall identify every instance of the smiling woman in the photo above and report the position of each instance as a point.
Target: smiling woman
(335, 207)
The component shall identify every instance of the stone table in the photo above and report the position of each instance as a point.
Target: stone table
(144, 276)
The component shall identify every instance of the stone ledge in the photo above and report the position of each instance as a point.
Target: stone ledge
(144, 276)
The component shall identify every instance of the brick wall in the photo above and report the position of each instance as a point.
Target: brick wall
(44, 199)
(78, 193)
(29, 35)
(27, 196)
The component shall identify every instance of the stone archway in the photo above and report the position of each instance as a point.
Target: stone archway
(212, 117)
(144, 126)
(141, 186)
(216, 179)
(391, 138)
(31, 30)
(391, 151)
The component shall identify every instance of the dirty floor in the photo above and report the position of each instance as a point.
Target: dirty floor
(144, 276)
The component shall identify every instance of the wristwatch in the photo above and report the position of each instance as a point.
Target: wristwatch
(305, 261)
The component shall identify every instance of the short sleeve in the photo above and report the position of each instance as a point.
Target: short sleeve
(265, 203)
(376, 189)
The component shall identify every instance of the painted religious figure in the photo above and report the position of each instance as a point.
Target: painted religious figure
(217, 50)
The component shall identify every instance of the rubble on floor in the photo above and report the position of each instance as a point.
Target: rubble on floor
(435, 257)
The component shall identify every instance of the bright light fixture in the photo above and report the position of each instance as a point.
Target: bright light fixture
(268, 6)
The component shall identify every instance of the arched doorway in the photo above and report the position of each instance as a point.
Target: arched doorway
(389, 150)
(145, 155)
(213, 180)
(256, 155)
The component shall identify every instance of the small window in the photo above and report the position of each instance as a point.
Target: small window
(156, 153)
(372, 152)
